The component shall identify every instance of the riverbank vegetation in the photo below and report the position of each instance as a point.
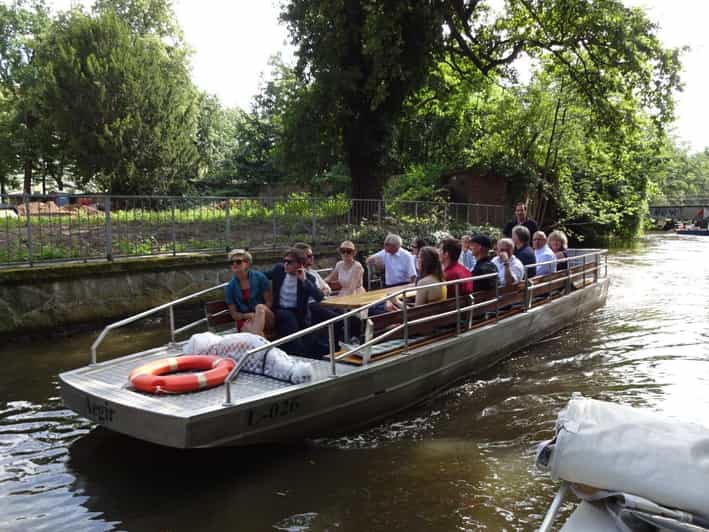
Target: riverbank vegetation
(571, 102)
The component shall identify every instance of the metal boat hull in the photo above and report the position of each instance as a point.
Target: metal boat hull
(330, 406)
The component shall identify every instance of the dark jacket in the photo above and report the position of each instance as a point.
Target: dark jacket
(528, 223)
(306, 289)
(526, 256)
(483, 267)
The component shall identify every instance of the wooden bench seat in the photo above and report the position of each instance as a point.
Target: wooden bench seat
(388, 320)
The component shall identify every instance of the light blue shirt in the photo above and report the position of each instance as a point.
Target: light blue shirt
(399, 268)
(467, 259)
(545, 254)
(289, 292)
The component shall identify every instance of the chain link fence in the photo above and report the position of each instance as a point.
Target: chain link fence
(84, 227)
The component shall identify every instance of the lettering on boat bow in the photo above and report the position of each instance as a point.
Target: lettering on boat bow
(273, 411)
(101, 412)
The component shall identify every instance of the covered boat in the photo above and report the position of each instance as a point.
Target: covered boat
(633, 470)
(410, 355)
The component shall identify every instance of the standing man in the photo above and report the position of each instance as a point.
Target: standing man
(452, 269)
(543, 253)
(520, 219)
(399, 265)
(523, 251)
(480, 246)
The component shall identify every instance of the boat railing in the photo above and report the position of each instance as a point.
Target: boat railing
(171, 309)
(406, 323)
(571, 262)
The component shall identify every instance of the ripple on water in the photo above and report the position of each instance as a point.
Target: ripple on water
(462, 461)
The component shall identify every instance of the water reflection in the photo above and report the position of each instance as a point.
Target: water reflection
(462, 461)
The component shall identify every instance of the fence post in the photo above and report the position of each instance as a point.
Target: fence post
(26, 200)
(314, 229)
(416, 210)
(174, 233)
(379, 212)
(273, 220)
(109, 229)
(227, 226)
(445, 216)
(467, 214)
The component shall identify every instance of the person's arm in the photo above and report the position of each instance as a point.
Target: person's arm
(236, 315)
(332, 277)
(357, 277)
(268, 297)
(376, 256)
(412, 269)
(310, 288)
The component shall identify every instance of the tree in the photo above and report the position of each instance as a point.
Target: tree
(121, 103)
(21, 26)
(362, 59)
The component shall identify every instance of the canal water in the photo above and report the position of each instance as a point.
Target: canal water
(463, 461)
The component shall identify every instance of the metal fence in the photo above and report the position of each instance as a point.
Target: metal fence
(86, 227)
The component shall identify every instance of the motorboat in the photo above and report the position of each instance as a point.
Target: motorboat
(406, 357)
(632, 470)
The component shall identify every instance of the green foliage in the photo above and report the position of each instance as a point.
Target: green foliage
(422, 182)
(123, 104)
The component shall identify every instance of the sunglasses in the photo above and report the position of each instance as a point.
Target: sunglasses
(347, 251)
(238, 262)
(310, 256)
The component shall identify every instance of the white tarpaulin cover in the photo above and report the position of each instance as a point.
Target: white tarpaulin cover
(619, 448)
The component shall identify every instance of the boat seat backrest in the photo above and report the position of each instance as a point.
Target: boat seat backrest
(383, 322)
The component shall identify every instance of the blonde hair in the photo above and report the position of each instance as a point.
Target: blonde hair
(241, 253)
(348, 244)
(559, 236)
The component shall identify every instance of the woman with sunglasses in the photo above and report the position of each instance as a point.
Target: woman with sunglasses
(348, 273)
(248, 295)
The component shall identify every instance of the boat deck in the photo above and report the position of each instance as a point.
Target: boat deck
(109, 380)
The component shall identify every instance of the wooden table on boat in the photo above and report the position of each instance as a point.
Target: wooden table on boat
(353, 301)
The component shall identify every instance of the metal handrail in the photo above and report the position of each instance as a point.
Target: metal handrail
(554, 508)
(149, 312)
(332, 321)
(532, 286)
(405, 325)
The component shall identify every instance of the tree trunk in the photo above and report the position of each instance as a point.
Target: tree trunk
(28, 176)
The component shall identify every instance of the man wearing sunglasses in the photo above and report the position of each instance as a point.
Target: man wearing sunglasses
(292, 288)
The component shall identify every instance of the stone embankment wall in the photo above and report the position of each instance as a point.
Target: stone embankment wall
(53, 296)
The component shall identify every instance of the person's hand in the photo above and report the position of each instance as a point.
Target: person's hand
(504, 256)
(250, 316)
(300, 273)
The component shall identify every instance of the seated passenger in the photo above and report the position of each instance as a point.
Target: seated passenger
(480, 246)
(558, 243)
(467, 258)
(510, 269)
(543, 253)
(318, 313)
(431, 273)
(248, 295)
(348, 273)
(452, 269)
(292, 288)
(399, 267)
(523, 251)
(429, 264)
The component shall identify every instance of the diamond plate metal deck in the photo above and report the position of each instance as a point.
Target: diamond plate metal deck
(109, 380)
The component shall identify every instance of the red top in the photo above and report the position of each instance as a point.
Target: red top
(458, 271)
(245, 295)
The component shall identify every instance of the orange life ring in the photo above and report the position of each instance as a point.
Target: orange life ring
(153, 377)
